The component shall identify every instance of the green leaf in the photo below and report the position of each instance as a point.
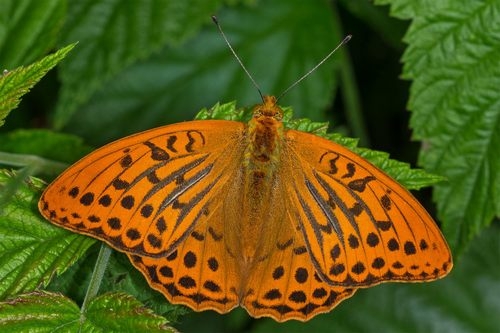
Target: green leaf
(171, 86)
(39, 312)
(402, 172)
(50, 312)
(28, 29)
(122, 313)
(122, 276)
(452, 58)
(56, 146)
(407, 9)
(45, 152)
(32, 249)
(114, 35)
(16, 83)
(74, 282)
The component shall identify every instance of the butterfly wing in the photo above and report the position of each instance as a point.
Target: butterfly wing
(202, 272)
(278, 278)
(284, 284)
(212, 268)
(144, 194)
(360, 226)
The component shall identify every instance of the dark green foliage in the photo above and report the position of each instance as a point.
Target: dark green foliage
(146, 63)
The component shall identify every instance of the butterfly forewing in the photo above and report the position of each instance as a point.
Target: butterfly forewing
(360, 226)
(144, 194)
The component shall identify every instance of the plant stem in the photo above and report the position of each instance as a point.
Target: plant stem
(36, 163)
(350, 93)
(96, 279)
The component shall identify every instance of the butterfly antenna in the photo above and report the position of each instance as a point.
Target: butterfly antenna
(343, 42)
(214, 18)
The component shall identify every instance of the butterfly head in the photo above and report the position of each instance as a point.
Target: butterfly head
(268, 109)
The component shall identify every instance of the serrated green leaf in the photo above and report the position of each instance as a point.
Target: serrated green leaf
(39, 312)
(33, 250)
(28, 29)
(16, 83)
(402, 172)
(173, 85)
(225, 111)
(74, 281)
(118, 313)
(122, 276)
(406, 9)
(452, 58)
(115, 34)
(50, 312)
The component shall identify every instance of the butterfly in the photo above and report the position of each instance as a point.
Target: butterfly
(218, 214)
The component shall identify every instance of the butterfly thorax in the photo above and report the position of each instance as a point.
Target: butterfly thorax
(265, 131)
(261, 162)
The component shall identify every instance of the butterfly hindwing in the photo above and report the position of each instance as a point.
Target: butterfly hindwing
(145, 193)
(284, 284)
(200, 273)
(360, 226)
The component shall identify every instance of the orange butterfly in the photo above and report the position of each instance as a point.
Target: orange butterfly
(219, 213)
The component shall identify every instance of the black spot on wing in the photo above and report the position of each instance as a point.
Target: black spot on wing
(146, 210)
(87, 199)
(157, 154)
(114, 223)
(331, 162)
(74, 192)
(301, 275)
(386, 202)
(170, 143)
(215, 235)
(409, 248)
(359, 185)
(351, 170)
(299, 250)
(152, 177)
(105, 200)
(278, 272)
(192, 140)
(384, 225)
(126, 161)
(133, 234)
(285, 245)
(190, 259)
(127, 202)
(213, 264)
(120, 184)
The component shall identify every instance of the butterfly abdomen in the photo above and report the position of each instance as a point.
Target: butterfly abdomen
(261, 163)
